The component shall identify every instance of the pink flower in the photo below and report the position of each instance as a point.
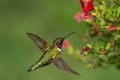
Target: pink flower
(111, 27)
(84, 58)
(85, 48)
(80, 16)
(66, 44)
(86, 6)
(87, 16)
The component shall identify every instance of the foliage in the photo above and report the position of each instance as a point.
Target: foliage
(104, 20)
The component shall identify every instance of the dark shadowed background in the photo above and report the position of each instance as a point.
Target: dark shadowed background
(48, 19)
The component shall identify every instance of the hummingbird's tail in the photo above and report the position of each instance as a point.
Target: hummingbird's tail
(38, 65)
(30, 69)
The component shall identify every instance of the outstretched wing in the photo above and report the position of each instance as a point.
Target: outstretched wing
(59, 62)
(40, 43)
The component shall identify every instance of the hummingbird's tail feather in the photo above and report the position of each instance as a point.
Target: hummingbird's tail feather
(62, 65)
(37, 66)
(30, 69)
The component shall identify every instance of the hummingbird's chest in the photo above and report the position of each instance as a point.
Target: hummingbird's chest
(56, 53)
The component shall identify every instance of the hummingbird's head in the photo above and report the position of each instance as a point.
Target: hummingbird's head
(59, 41)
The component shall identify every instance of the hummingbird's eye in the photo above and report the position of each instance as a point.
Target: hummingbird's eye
(60, 44)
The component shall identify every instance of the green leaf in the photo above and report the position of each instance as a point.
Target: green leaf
(108, 47)
(89, 65)
(103, 57)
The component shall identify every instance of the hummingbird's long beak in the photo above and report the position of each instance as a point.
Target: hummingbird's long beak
(68, 34)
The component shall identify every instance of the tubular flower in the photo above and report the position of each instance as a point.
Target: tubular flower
(85, 48)
(111, 27)
(87, 16)
(79, 17)
(86, 5)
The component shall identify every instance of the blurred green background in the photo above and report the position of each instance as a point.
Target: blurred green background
(48, 19)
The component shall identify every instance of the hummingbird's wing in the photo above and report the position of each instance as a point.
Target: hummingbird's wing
(59, 62)
(40, 43)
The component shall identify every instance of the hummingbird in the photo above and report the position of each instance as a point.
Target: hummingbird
(50, 53)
